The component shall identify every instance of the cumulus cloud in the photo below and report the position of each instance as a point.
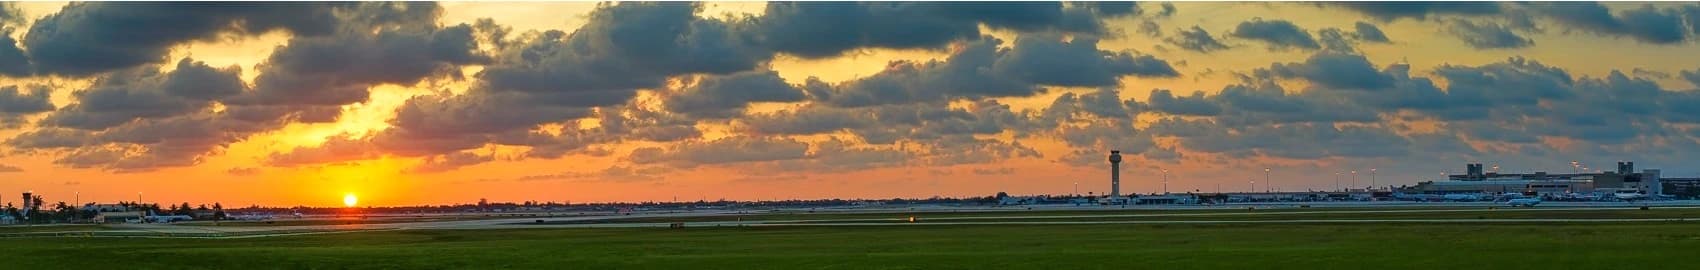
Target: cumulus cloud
(1645, 24)
(15, 104)
(13, 62)
(1196, 39)
(818, 30)
(1369, 33)
(1693, 77)
(726, 96)
(88, 38)
(1420, 10)
(1162, 100)
(1334, 70)
(722, 151)
(1279, 34)
(1488, 35)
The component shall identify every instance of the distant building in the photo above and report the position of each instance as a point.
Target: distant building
(1476, 180)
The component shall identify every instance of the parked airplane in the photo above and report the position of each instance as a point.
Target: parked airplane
(1526, 202)
(1462, 197)
(1629, 194)
(151, 217)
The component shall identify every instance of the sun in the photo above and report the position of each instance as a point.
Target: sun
(349, 200)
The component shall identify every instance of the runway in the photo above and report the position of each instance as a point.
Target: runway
(995, 216)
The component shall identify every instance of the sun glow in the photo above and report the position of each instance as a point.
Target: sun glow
(349, 200)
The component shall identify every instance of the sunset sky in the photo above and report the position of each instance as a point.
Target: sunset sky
(435, 103)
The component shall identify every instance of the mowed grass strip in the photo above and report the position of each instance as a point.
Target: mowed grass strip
(1584, 214)
(1009, 211)
(1252, 246)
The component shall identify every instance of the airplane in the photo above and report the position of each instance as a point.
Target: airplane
(1525, 202)
(1629, 195)
(154, 218)
(251, 216)
(1462, 197)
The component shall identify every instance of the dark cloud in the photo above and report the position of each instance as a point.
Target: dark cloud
(726, 96)
(1645, 24)
(1047, 60)
(15, 104)
(1336, 40)
(1196, 39)
(1418, 10)
(1369, 33)
(980, 69)
(1279, 34)
(147, 94)
(1113, 8)
(722, 151)
(1162, 100)
(13, 62)
(88, 38)
(1488, 35)
(1334, 70)
(443, 163)
(1693, 77)
(1150, 28)
(823, 29)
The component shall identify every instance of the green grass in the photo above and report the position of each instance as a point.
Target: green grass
(1355, 246)
(794, 215)
(1654, 213)
(340, 221)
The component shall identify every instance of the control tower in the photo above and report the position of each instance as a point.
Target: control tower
(1115, 173)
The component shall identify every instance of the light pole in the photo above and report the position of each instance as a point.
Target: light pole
(1574, 166)
(1372, 178)
(1077, 189)
(1354, 178)
(1266, 182)
(1165, 181)
(1253, 188)
(1336, 180)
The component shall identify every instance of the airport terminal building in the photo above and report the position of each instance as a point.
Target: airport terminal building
(1477, 181)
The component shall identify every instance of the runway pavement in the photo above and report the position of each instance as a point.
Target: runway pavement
(177, 230)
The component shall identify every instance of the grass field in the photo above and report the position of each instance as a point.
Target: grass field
(1356, 246)
(799, 215)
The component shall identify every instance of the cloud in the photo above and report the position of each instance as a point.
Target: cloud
(1389, 11)
(1162, 100)
(1368, 32)
(1644, 24)
(820, 30)
(443, 163)
(1279, 34)
(13, 61)
(1692, 76)
(1334, 70)
(1488, 35)
(10, 14)
(981, 69)
(15, 104)
(1196, 39)
(10, 169)
(616, 174)
(722, 151)
(88, 38)
(726, 96)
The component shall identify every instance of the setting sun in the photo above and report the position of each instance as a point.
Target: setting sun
(349, 200)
